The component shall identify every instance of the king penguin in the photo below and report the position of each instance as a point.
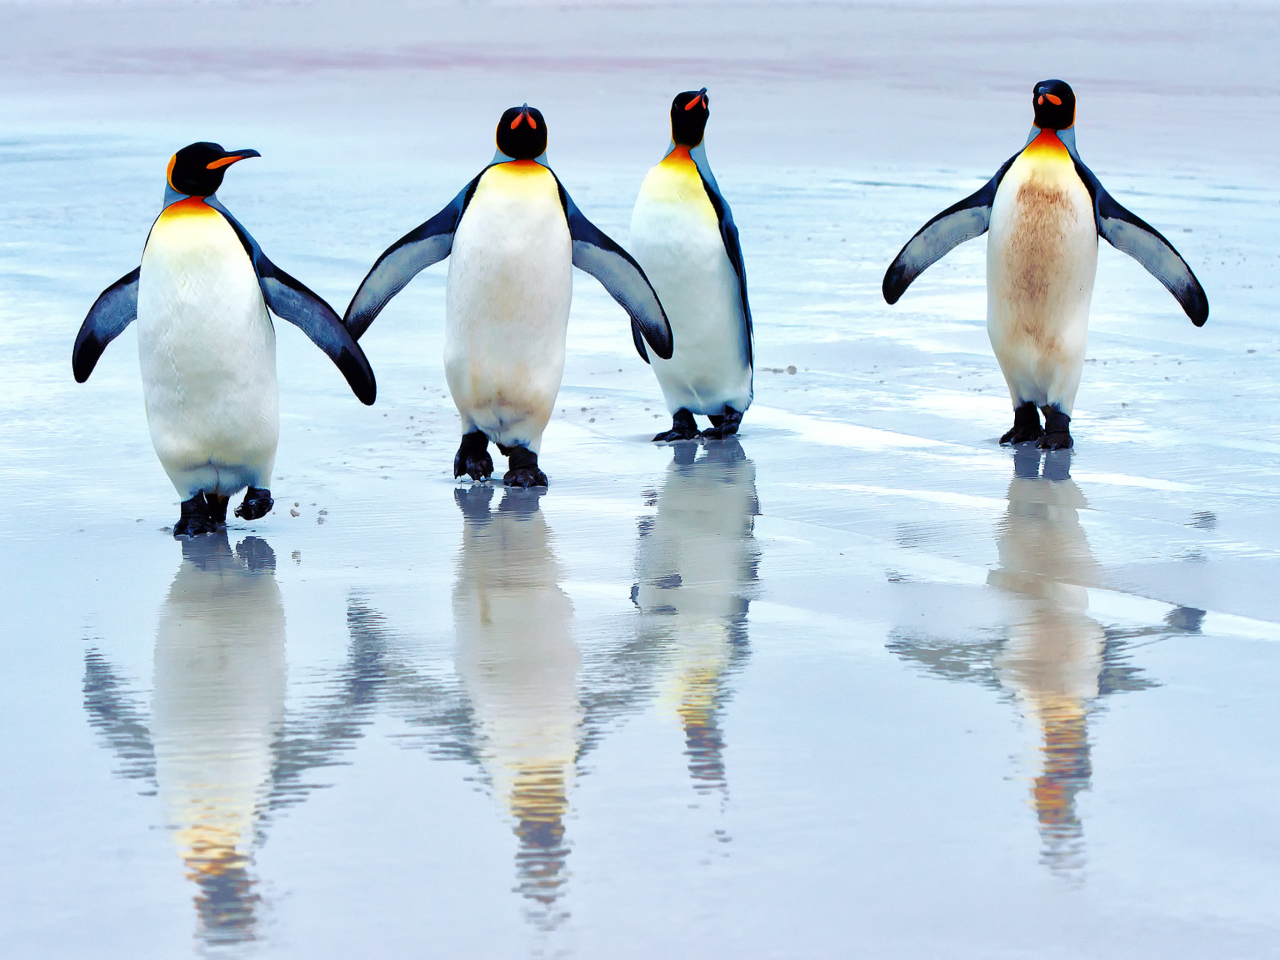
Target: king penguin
(683, 234)
(206, 344)
(1045, 211)
(513, 236)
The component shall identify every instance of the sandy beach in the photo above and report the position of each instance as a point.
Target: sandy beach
(860, 682)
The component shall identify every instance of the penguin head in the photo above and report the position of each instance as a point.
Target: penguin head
(522, 133)
(1055, 105)
(689, 112)
(197, 169)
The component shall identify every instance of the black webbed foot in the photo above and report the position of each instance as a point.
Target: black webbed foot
(473, 457)
(723, 426)
(257, 503)
(197, 517)
(1057, 430)
(683, 427)
(525, 477)
(524, 470)
(1026, 425)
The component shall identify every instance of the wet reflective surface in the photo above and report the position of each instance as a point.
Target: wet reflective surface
(857, 682)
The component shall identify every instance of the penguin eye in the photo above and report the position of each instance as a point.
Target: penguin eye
(1056, 101)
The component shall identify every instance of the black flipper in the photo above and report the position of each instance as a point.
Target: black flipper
(291, 300)
(115, 308)
(953, 226)
(1133, 235)
(618, 272)
(728, 233)
(405, 259)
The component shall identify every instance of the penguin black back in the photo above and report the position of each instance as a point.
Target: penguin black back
(1055, 105)
(198, 168)
(522, 133)
(689, 113)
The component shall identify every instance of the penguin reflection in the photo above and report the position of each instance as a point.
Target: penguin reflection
(217, 744)
(216, 713)
(1052, 659)
(520, 665)
(696, 563)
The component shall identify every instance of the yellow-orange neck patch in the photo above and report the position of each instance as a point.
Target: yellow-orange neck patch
(1047, 144)
(190, 207)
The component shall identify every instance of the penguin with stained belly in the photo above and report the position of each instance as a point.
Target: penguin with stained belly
(206, 344)
(683, 235)
(513, 236)
(1045, 211)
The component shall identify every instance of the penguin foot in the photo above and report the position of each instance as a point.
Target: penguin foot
(257, 503)
(525, 477)
(473, 457)
(1057, 431)
(1026, 425)
(198, 517)
(723, 426)
(683, 427)
(524, 470)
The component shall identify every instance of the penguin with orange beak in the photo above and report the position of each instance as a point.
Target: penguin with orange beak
(683, 234)
(513, 236)
(207, 346)
(1045, 211)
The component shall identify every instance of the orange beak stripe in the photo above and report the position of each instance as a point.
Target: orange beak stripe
(533, 124)
(693, 103)
(516, 122)
(1056, 101)
(224, 162)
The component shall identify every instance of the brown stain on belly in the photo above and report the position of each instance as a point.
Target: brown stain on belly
(1037, 252)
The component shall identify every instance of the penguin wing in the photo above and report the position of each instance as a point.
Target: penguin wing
(405, 259)
(618, 272)
(115, 308)
(290, 299)
(732, 247)
(953, 226)
(1134, 236)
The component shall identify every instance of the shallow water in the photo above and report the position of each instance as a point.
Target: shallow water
(860, 681)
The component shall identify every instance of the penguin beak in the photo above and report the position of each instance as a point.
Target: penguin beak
(525, 115)
(699, 101)
(233, 157)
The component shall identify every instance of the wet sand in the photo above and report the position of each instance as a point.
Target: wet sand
(860, 682)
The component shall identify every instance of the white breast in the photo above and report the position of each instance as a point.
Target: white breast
(1042, 252)
(207, 351)
(507, 303)
(675, 237)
